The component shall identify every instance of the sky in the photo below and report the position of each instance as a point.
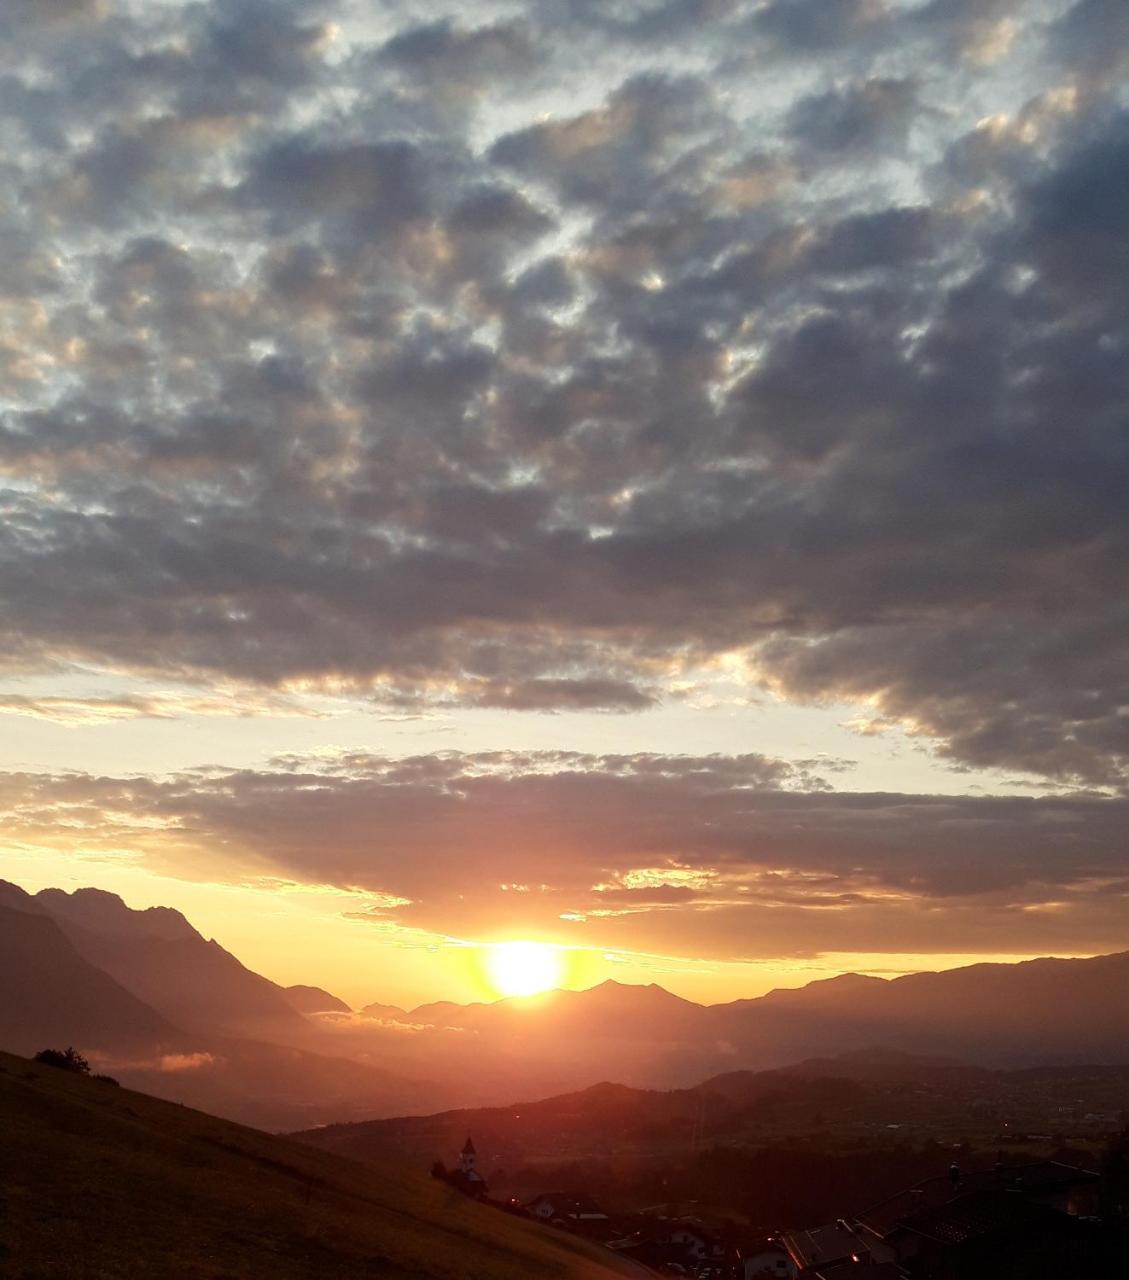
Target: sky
(643, 477)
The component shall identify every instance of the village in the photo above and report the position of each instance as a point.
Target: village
(994, 1222)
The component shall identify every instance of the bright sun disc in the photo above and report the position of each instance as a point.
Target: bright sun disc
(523, 968)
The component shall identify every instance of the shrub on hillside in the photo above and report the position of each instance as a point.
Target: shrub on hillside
(68, 1059)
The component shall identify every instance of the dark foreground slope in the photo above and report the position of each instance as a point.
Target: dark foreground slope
(99, 1182)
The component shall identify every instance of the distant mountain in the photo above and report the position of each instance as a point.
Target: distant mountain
(106, 913)
(865, 1098)
(824, 991)
(1038, 1011)
(614, 1118)
(601, 1116)
(109, 1182)
(386, 1012)
(53, 996)
(872, 1064)
(612, 1008)
(313, 1000)
(1041, 1012)
(11, 895)
(158, 956)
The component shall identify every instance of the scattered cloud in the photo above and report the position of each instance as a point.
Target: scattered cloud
(738, 857)
(76, 711)
(646, 334)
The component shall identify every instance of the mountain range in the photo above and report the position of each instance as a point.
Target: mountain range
(861, 1093)
(1042, 1011)
(174, 1013)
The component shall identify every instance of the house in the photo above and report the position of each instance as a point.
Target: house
(823, 1246)
(665, 1243)
(565, 1206)
(766, 1262)
(695, 1241)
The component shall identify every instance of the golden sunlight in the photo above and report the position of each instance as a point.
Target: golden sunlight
(523, 968)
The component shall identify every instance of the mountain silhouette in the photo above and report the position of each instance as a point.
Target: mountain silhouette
(182, 1017)
(1047, 1010)
(106, 913)
(52, 995)
(164, 961)
(313, 1000)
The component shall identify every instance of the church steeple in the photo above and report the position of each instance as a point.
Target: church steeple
(466, 1157)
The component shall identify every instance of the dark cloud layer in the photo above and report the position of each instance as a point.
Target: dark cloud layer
(524, 360)
(726, 857)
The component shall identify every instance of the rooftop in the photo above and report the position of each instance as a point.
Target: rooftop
(982, 1213)
(835, 1242)
(1039, 1178)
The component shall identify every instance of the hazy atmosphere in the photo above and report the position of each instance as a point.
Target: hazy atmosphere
(644, 478)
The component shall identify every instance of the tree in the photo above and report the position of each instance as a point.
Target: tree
(68, 1059)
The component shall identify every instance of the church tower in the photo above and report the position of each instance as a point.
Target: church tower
(466, 1160)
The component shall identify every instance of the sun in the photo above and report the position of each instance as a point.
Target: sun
(523, 968)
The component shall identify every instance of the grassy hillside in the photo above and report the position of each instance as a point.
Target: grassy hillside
(100, 1183)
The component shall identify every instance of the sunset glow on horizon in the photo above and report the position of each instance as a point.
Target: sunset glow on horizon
(295, 934)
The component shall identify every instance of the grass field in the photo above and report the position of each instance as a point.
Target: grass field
(100, 1183)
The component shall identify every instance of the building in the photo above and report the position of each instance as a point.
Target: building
(1046, 1182)
(660, 1242)
(565, 1206)
(1001, 1235)
(766, 1262)
(467, 1177)
(825, 1246)
(1022, 1223)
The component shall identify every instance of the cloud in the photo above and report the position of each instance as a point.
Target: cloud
(168, 1063)
(536, 362)
(77, 711)
(807, 26)
(547, 695)
(173, 1062)
(873, 115)
(712, 856)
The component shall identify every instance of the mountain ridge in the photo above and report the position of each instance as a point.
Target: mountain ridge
(227, 1031)
(159, 956)
(52, 994)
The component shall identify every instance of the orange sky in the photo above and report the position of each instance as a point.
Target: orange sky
(298, 935)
